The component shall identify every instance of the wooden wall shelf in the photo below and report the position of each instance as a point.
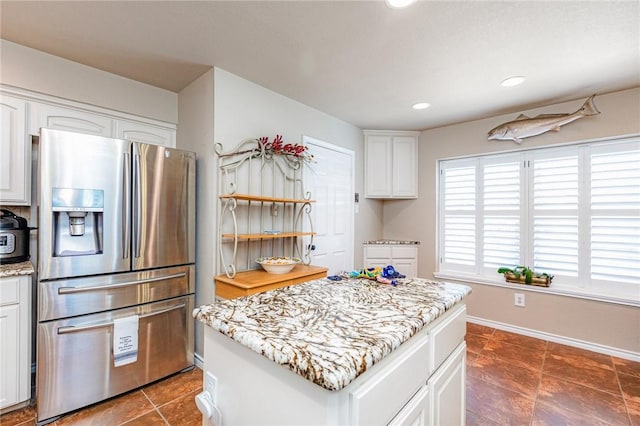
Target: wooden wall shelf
(268, 236)
(263, 210)
(263, 199)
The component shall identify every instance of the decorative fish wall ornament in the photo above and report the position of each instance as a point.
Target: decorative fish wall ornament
(524, 127)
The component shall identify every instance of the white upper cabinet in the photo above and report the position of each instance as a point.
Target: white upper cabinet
(72, 120)
(141, 132)
(15, 153)
(391, 164)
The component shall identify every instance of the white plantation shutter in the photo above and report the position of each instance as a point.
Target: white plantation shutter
(572, 212)
(615, 213)
(554, 211)
(502, 187)
(458, 233)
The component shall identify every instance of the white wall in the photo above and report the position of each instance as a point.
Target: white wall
(195, 133)
(246, 110)
(224, 108)
(34, 70)
(614, 325)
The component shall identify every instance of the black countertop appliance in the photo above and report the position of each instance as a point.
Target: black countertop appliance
(14, 238)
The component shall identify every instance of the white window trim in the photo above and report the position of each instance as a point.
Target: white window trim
(593, 293)
(555, 290)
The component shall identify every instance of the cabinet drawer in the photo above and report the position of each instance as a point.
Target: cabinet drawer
(9, 290)
(79, 350)
(379, 251)
(447, 336)
(381, 397)
(403, 252)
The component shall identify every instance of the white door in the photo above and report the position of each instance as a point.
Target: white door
(330, 179)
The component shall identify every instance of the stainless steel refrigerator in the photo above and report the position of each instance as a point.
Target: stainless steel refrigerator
(116, 274)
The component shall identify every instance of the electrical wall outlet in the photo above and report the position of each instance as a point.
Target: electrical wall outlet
(211, 386)
(518, 299)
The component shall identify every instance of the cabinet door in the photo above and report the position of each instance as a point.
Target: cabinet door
(406, 267)
(405, 259)
(405, 167)
(15, 153)
(447, 389)
(378, 166)
(55, 117)
(15, 338)
(9, 351)
(381, 397)
(141, 132)
(416, 412)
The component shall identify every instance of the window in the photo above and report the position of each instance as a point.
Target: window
(573, 212)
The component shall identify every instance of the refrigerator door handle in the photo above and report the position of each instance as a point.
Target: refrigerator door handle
(126, 206)
(76, 329)
(70, 290)
(137, 205)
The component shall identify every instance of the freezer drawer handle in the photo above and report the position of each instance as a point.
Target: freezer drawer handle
(75, 329)
(70, 290)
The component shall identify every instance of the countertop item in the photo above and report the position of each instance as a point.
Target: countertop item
(393, 242)
(13, 269)
(329, 332)
(254, 281)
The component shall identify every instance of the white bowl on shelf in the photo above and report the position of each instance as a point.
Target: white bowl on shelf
(278, 265)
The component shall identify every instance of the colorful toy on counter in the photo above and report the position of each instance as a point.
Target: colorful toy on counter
(386, 275)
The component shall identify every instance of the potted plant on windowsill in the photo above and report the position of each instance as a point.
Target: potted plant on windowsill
(524, 275)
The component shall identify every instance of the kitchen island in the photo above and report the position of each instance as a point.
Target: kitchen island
(343, 352)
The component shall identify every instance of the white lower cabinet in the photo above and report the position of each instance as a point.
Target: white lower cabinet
(416, 412)
(394, 385)
(403, 257)
(15, 335)
(401, 389)
(447, 390)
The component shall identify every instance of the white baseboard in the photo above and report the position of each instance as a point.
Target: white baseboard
(199, 361)
(590, 346)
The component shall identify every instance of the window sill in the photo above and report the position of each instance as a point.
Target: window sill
(566, 292)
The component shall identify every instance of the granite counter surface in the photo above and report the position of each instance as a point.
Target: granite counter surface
(14, 269)
(329, 332)
(393, 242)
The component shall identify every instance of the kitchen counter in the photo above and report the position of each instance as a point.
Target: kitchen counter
(15, 269)
(393, 242)
(330, 332)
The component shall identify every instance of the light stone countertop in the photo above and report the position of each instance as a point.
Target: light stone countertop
(393, 242)
(13, 269)
(329, 332)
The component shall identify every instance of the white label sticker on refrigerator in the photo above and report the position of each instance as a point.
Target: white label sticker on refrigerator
(125, 340)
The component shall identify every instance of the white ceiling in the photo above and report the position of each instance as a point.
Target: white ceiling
(359, 61)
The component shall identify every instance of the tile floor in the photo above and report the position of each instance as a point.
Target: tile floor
(518, 380)
(167, 402)
(511, 380)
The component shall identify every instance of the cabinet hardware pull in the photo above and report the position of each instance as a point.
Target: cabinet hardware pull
(70, 290)
(78, 328)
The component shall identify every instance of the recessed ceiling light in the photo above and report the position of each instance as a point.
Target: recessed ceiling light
(421, 105)
(513, 81)
(399, 4)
